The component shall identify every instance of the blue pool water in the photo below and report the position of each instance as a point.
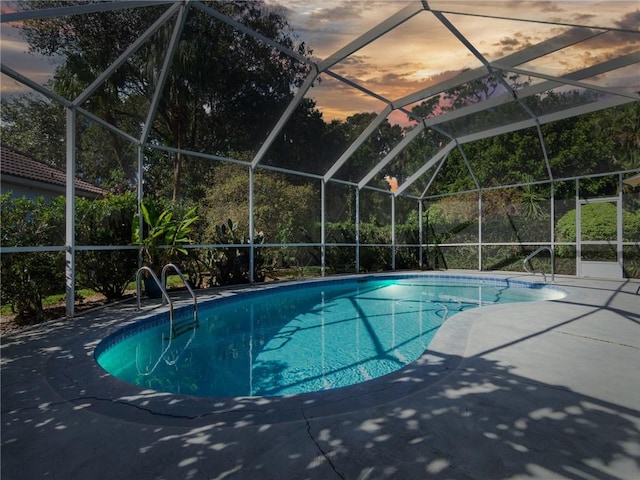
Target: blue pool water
(302, 338)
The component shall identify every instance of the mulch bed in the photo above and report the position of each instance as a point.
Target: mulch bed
(9, 323)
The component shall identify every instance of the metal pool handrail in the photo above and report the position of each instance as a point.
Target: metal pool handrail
(177, 330)
(165, 295)
(186, 284)
(531, 255)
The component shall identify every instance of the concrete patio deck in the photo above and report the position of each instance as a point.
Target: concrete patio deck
(538, 390)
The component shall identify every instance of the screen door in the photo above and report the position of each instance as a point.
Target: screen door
(599, 239)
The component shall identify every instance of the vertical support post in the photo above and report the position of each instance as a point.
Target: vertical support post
(251, 228)
(553, 226)
(420, 234)
(479, 230)
(252, 319)
(393, 232)
(323, 214)
(578, 231)
(620, 231)
(140, 192)
(70, 214)
(357, 227)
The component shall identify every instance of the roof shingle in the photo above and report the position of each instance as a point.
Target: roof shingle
(20, 165)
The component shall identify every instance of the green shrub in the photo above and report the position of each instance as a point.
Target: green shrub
(165, 233)
(232, 264)
(373, 257)
(27, 278)
(107, 221)
(598, 222)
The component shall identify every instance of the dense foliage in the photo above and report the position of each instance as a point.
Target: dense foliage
(598, 223)
(211, 102)
(27, 278)
(106, 221)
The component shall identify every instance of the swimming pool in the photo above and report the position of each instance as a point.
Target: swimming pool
(301, 338)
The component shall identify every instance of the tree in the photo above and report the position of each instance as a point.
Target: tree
(622, 126)
(294, 215)
(307, 142)
(35, 126)
(212, 101)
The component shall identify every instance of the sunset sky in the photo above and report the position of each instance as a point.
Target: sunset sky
(422, 51)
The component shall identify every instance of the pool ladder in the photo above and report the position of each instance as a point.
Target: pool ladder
(177, 328)
(526, 262)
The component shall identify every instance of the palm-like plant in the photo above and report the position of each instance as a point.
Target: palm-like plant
(165, 237)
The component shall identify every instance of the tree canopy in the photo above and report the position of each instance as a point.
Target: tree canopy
(225, 91)
(210, 101)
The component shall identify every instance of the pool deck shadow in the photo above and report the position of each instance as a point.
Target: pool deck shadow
(538, 390)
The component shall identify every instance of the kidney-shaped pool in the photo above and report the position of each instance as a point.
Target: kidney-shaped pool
(301, 338)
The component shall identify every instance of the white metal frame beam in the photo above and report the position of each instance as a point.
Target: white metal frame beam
(70, 212)
(164, 73)
(376, 32)
(284, 118)
(562, 81)
(252, 33)
(358, 142)
(379, 30)
(392, 154)
(552, 82)
(528, 20)
(126, 54)
(433, 177)
(51, 95)
(530, 53)
(358, 87)
(78, 10)
(551, 117)
(418, 173)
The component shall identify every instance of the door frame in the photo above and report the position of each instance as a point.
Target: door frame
(599, 269)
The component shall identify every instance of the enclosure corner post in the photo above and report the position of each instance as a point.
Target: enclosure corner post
(393, 232)
(251, 227)
(323, 215)
(70, 208)
(357, 227)
(140, 194)
(420, 234)
(480, 230)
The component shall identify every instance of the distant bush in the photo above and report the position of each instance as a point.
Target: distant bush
(27, 278)
(106, 221)
(598, 222)
(229, 265)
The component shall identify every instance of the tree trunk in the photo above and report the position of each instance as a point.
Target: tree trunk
(177, 164)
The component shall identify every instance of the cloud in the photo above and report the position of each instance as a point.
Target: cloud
(328, 25)
(15, 55)
(582, 18)
(340, 12)
(549, 7)
(630, 21)
(422, 51)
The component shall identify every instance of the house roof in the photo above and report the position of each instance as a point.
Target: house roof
(16, 164)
